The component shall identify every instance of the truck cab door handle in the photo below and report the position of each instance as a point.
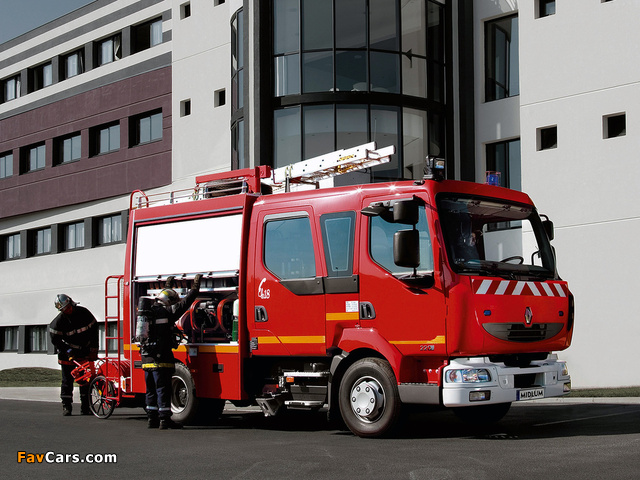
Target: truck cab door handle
(367, 312)
(261, 314)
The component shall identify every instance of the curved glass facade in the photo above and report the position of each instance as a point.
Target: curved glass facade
(346, 72)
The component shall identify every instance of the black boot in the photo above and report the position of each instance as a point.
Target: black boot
(66, 409)
(166, 423)
(153, 421)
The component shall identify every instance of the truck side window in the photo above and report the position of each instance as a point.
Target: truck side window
(288, 248)
(337, 237)
(381, 243)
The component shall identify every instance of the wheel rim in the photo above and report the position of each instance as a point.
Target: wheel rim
(179, 395)
(101, 396)
(367, 399)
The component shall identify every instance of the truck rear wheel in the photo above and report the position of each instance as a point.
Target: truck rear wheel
(369, 399)
(184, 403)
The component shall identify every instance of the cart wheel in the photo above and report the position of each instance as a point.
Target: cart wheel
(101, 397)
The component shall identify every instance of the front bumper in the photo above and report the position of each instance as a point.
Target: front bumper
(541, 379)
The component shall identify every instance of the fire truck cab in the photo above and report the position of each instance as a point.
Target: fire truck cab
(358, 299)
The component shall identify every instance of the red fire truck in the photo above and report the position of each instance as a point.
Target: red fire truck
(357, 299)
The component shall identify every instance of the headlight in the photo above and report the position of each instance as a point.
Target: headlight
(565, 370)
(469, 375)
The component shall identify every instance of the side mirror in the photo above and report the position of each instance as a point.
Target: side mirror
(548, 227)
(406, 248)
(406, 212)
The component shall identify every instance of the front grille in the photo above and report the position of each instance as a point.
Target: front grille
(518, 332)
(524, 381)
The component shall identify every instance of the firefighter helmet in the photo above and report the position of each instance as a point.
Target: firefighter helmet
(62, 301)
(168, 297)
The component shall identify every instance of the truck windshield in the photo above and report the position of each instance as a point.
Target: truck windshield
(494, 237)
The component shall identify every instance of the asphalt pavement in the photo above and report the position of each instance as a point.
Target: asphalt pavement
(52, 394)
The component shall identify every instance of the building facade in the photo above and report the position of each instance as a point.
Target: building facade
(125, 95)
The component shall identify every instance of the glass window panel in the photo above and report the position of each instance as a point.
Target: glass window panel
(435, 83)
(156, 33)
(288, 248)
(351, 71)
(414, 76)
(47, 75)
(414, 29)
(6, 165)
(317, 72)
(435, 32)
(317, 24)
(351, 126)
(13, 246)
(385, 72)
(318, 130)
(414, 130)
(287, 136)
(502, 61)
(116, 228)
(287, 75)
(106, 52)
(240, 40)
(337, 238)
(384, 131)
(144, 126)
(436, 135)
(383, 28)
(351, 24)
(114, 137)
(156, 126)
(286, 26)
(104, 140)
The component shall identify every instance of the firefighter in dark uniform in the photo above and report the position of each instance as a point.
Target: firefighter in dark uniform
(74, 333)
(158, 361)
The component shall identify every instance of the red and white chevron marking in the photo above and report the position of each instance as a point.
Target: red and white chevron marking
(514, 287)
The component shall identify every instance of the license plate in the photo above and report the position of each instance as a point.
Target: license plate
(530, 394)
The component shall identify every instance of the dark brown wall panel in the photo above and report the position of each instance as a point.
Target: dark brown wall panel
(89, 178)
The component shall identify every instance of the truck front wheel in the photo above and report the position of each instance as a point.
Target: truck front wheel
(369, 400)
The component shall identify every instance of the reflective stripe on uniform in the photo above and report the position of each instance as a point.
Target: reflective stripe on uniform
(158, 365)
(161, 321)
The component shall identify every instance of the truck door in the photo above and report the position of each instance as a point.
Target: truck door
(289, 308)
(409, 314)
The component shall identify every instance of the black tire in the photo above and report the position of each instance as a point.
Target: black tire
(482, 414)
(369, 399)
(102, 394)
(184, 403)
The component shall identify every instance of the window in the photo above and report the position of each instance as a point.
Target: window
(237, 145)
(74, 236)
(288, 248)
(237, 62)
(185, 108)
(41, 241)
(12, 246)
(11, 88)
(546, 8)
(185, 10)
(10, 339)
(504, 157)
(105, 139)
(37, 337)
(40, 77)
(72, 64)
(6, 165)
(148, 128)
(381, 234)
(109, 50)
(110, 229)
(547, 138)
(147, 35)
(219, 98)
(68, 149)
(337, 238)
(34, 158)
(502, 76)
(112, 342)
(614, 125)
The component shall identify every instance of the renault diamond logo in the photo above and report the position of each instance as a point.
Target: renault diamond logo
(528, 315)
